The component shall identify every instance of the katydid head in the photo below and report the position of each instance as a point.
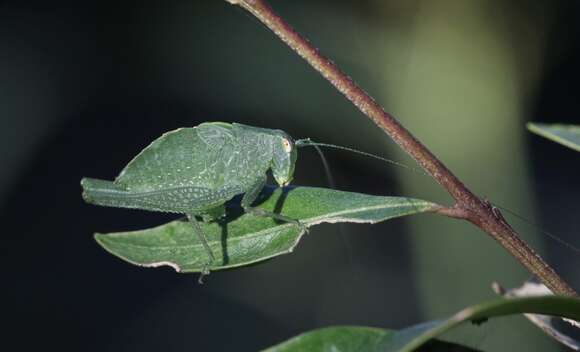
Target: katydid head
(283, 158)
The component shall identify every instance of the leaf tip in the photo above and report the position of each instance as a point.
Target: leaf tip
(533, 127)
(101, 239)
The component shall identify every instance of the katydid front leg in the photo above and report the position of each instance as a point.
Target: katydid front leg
(197, 229)
(253, 193)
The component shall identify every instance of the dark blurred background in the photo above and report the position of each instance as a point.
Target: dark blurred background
(85, 85)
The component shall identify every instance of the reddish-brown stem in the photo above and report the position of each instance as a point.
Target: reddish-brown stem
(468, 206)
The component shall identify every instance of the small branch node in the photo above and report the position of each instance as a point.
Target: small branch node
(455, 211)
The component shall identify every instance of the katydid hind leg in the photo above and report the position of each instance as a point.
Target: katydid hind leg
(252, 194)
(203, 239)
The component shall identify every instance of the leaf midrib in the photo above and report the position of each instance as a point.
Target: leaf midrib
(309, 221)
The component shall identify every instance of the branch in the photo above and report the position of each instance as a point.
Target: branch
(468, 206)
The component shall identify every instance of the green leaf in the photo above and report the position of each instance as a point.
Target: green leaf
(243, 239)
(568, 135)
(413, 337)
(351, 339)
(337, 339)
(346, 339)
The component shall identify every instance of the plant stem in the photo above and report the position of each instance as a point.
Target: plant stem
(468, 206)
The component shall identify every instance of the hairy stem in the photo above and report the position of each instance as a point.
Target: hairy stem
(468, 206)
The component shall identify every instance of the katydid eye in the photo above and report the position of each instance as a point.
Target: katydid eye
(287, 145)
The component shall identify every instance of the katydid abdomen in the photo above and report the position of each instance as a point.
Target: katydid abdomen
(180, 200)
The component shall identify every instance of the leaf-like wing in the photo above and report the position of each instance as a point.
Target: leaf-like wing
(179, 158)
(214, 134)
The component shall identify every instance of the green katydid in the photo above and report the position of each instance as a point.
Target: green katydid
(195, 171)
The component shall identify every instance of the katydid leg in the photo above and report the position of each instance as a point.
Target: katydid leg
(197, 229)
(251, 195)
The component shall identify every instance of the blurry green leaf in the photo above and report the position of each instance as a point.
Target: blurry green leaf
(352, 339)
(346, 339)
(337, 339)
(413, 337)
(568, 135)
(242, 239)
